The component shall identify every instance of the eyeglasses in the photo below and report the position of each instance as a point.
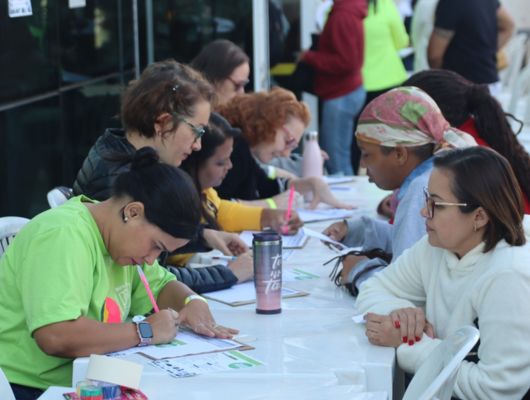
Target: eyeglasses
(238, 85)
(431, 204)
(198, 130)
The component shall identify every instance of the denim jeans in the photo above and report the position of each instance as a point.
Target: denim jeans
(336, 129)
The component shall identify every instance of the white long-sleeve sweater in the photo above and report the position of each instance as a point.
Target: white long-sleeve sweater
(493, 287)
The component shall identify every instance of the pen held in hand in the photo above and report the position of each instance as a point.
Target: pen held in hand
(285, 228)
(147, 287)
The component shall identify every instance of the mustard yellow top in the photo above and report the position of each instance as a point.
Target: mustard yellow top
(230, 216)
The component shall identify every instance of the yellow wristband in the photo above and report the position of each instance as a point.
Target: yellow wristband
(194, 297)
(271, 203)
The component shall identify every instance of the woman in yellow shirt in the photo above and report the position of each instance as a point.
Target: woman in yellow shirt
(208, 167)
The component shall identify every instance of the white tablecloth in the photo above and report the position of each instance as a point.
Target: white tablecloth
(312, 349)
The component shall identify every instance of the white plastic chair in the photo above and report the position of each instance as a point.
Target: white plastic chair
(9, 227)
(6, 393)
(520, 94)
(58, 195)
(435, 379)
(515, 51)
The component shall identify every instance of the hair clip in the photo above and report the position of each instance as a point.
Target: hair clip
(174, 88)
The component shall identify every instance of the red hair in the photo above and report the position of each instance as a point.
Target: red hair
(259, 115)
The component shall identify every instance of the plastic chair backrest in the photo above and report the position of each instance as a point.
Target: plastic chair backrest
(58, 195)
(9, 227)
(6, 393)
(520, 92)
(435, 379)
(515, 52)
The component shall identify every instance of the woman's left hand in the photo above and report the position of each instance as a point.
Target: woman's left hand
(321, 193)
(197, 316)
(381, 331)
(410, 321)
(229, 244)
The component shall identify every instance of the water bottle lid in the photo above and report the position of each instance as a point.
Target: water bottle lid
(311, 135)
(266, 238)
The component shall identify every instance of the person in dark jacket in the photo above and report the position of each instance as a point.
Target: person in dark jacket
(166, 109)
(338, 61)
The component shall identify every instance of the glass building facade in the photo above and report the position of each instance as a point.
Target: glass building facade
(62, 72)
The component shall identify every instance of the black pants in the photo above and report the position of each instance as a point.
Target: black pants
(25, 392)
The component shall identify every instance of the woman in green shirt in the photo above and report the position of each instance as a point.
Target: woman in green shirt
(70, 280)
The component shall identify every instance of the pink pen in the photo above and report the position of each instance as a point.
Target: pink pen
(285, 228)
(147, 288)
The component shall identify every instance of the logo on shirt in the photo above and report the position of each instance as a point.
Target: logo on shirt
(110, 312)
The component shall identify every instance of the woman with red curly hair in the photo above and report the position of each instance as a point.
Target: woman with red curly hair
(271, 123)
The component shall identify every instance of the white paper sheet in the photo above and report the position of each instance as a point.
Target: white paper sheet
(325, 239)
(185, 343)
(245, 293)
(288, 242)
(335, 180)
(200, 364)
(296, 274)
(324, 214)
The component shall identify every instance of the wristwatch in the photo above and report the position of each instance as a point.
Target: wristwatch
(144, 330)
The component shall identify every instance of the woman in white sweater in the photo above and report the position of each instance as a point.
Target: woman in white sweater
(473, 267)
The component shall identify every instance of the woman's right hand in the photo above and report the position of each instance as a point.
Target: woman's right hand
(164, 325)
(275, 219)
(242, 267)
(337, 231)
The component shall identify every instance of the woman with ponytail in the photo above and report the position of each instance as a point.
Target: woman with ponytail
(471, 108)
(70, 279)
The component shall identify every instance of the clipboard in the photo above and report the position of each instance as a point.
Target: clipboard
(245, 293)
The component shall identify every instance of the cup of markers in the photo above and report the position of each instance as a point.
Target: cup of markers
(95, 390)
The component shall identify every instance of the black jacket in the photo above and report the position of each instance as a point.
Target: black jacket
(95, 179)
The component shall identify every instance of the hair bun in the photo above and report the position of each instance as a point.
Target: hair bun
(144, 157)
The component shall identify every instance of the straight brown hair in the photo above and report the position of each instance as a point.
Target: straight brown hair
(484, 178)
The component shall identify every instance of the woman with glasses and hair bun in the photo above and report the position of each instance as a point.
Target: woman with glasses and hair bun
(271, 123)
(71, 284)
(167, 109)
(471, 108)
(470, 269)
(226, 66)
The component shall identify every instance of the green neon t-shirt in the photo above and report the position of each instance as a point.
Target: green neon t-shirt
(58, 269)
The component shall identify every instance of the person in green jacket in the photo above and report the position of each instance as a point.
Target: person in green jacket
(70, 282)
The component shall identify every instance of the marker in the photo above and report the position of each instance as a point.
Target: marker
(147, 288)
(225, 258)
(285, 228)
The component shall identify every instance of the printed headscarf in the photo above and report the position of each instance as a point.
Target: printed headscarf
(408, 116)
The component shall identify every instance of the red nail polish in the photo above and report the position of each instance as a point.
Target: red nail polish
(411, 342)
(404, 339)
(418, 339)
(397, 324)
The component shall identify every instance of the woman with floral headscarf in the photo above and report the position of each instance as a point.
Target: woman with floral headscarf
(398, 133)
